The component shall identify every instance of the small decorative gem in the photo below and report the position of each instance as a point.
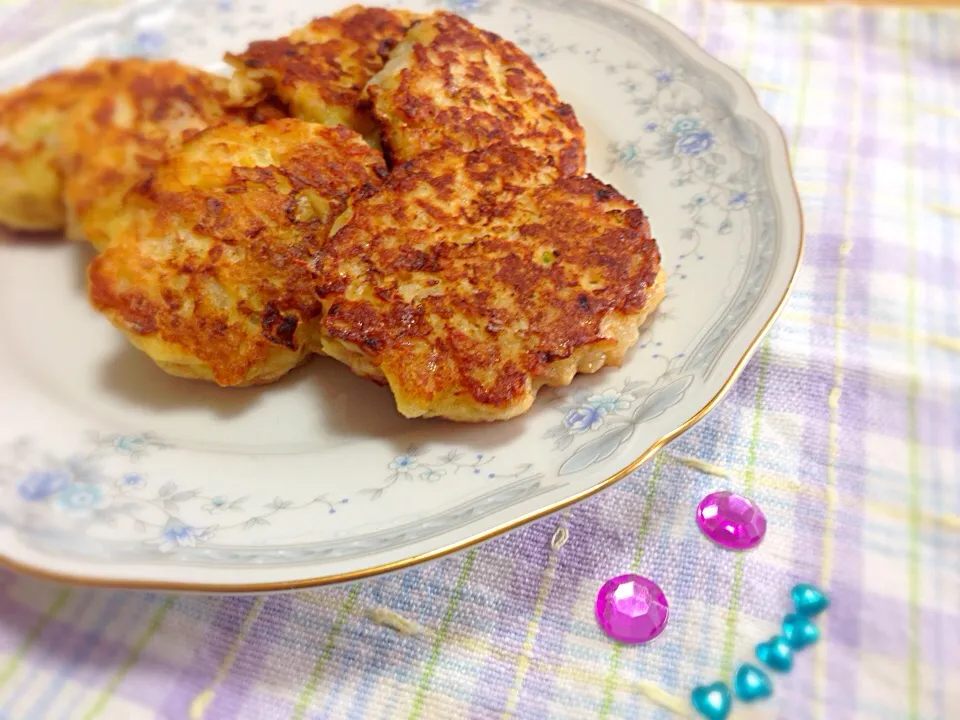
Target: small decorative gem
(751, 683)
(632, 609)
(808, 600)
(799, 631)
(776, 654)
(712, 701)
(731, 520)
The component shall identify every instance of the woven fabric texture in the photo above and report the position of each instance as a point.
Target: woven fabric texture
(845, 428)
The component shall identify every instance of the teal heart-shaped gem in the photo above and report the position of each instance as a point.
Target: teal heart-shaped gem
(712, 701)
(776, 654)
(808, 600)
(799, 631)
(751, 683)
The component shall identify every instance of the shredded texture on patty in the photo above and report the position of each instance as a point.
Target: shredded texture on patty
(470, 280)
(450, 83)
(319, 69)
(205, 270)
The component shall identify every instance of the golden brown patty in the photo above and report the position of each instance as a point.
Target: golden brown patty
(31, 185)
(470, 280)
(123, 128)
(451, 82)
(205, 270)
(320, 69)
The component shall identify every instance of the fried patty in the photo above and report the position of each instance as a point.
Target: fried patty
(319, 69)
(449, 82)
(472, 279)
(31, 184)
(119, 130)
(205, 270)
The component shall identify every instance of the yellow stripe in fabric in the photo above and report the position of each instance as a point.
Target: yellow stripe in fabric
(533, 627)
(938, 110)
(797, 135)
(944, 8)
(311, 688)
(944, 209)
(913, 448)
(138, 646)
(948, 521)
(567, 671)
(431, 665)
(883, 330)
(612, 678)
(772, 87)
(833, 399)
(704, 23)
(703, 466)
(13, 664)
(729, 644)
(733, 604)
(200, 703)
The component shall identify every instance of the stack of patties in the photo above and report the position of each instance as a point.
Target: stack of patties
(319, 70)
(487, 265)
(206, 210)
(422, 215)
(72, 142)
(206, 267)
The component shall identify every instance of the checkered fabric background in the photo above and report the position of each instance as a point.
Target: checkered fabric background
(845, 428)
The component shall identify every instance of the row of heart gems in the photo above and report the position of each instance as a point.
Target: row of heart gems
(751, 683)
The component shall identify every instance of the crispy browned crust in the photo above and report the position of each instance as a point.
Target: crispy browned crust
(451, 82)
(31, 185)
(123, 128)
(320, 69)
(205, 270)
(470, 280)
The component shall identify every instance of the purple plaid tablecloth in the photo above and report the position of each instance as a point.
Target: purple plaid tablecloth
(845, 428)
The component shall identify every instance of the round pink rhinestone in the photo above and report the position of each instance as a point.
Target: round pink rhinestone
(731, 520)
(632, 609)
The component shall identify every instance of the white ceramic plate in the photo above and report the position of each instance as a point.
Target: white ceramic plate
(111, 472)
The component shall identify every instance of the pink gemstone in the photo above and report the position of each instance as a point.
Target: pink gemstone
(632, 609)
(731, 520)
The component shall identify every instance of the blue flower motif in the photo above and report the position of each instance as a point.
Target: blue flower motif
(610, 401)
(225, 5)
(41, 484)
(663, 77)
(80, 498)
(695, 143)
(177, 533)
(463, 6)
(403, 463)
(739, 201)
(685, 124)
(130, 444)
(216, 504)
(583, 419)
(150, 42)
(131, 480)
(650, 127)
